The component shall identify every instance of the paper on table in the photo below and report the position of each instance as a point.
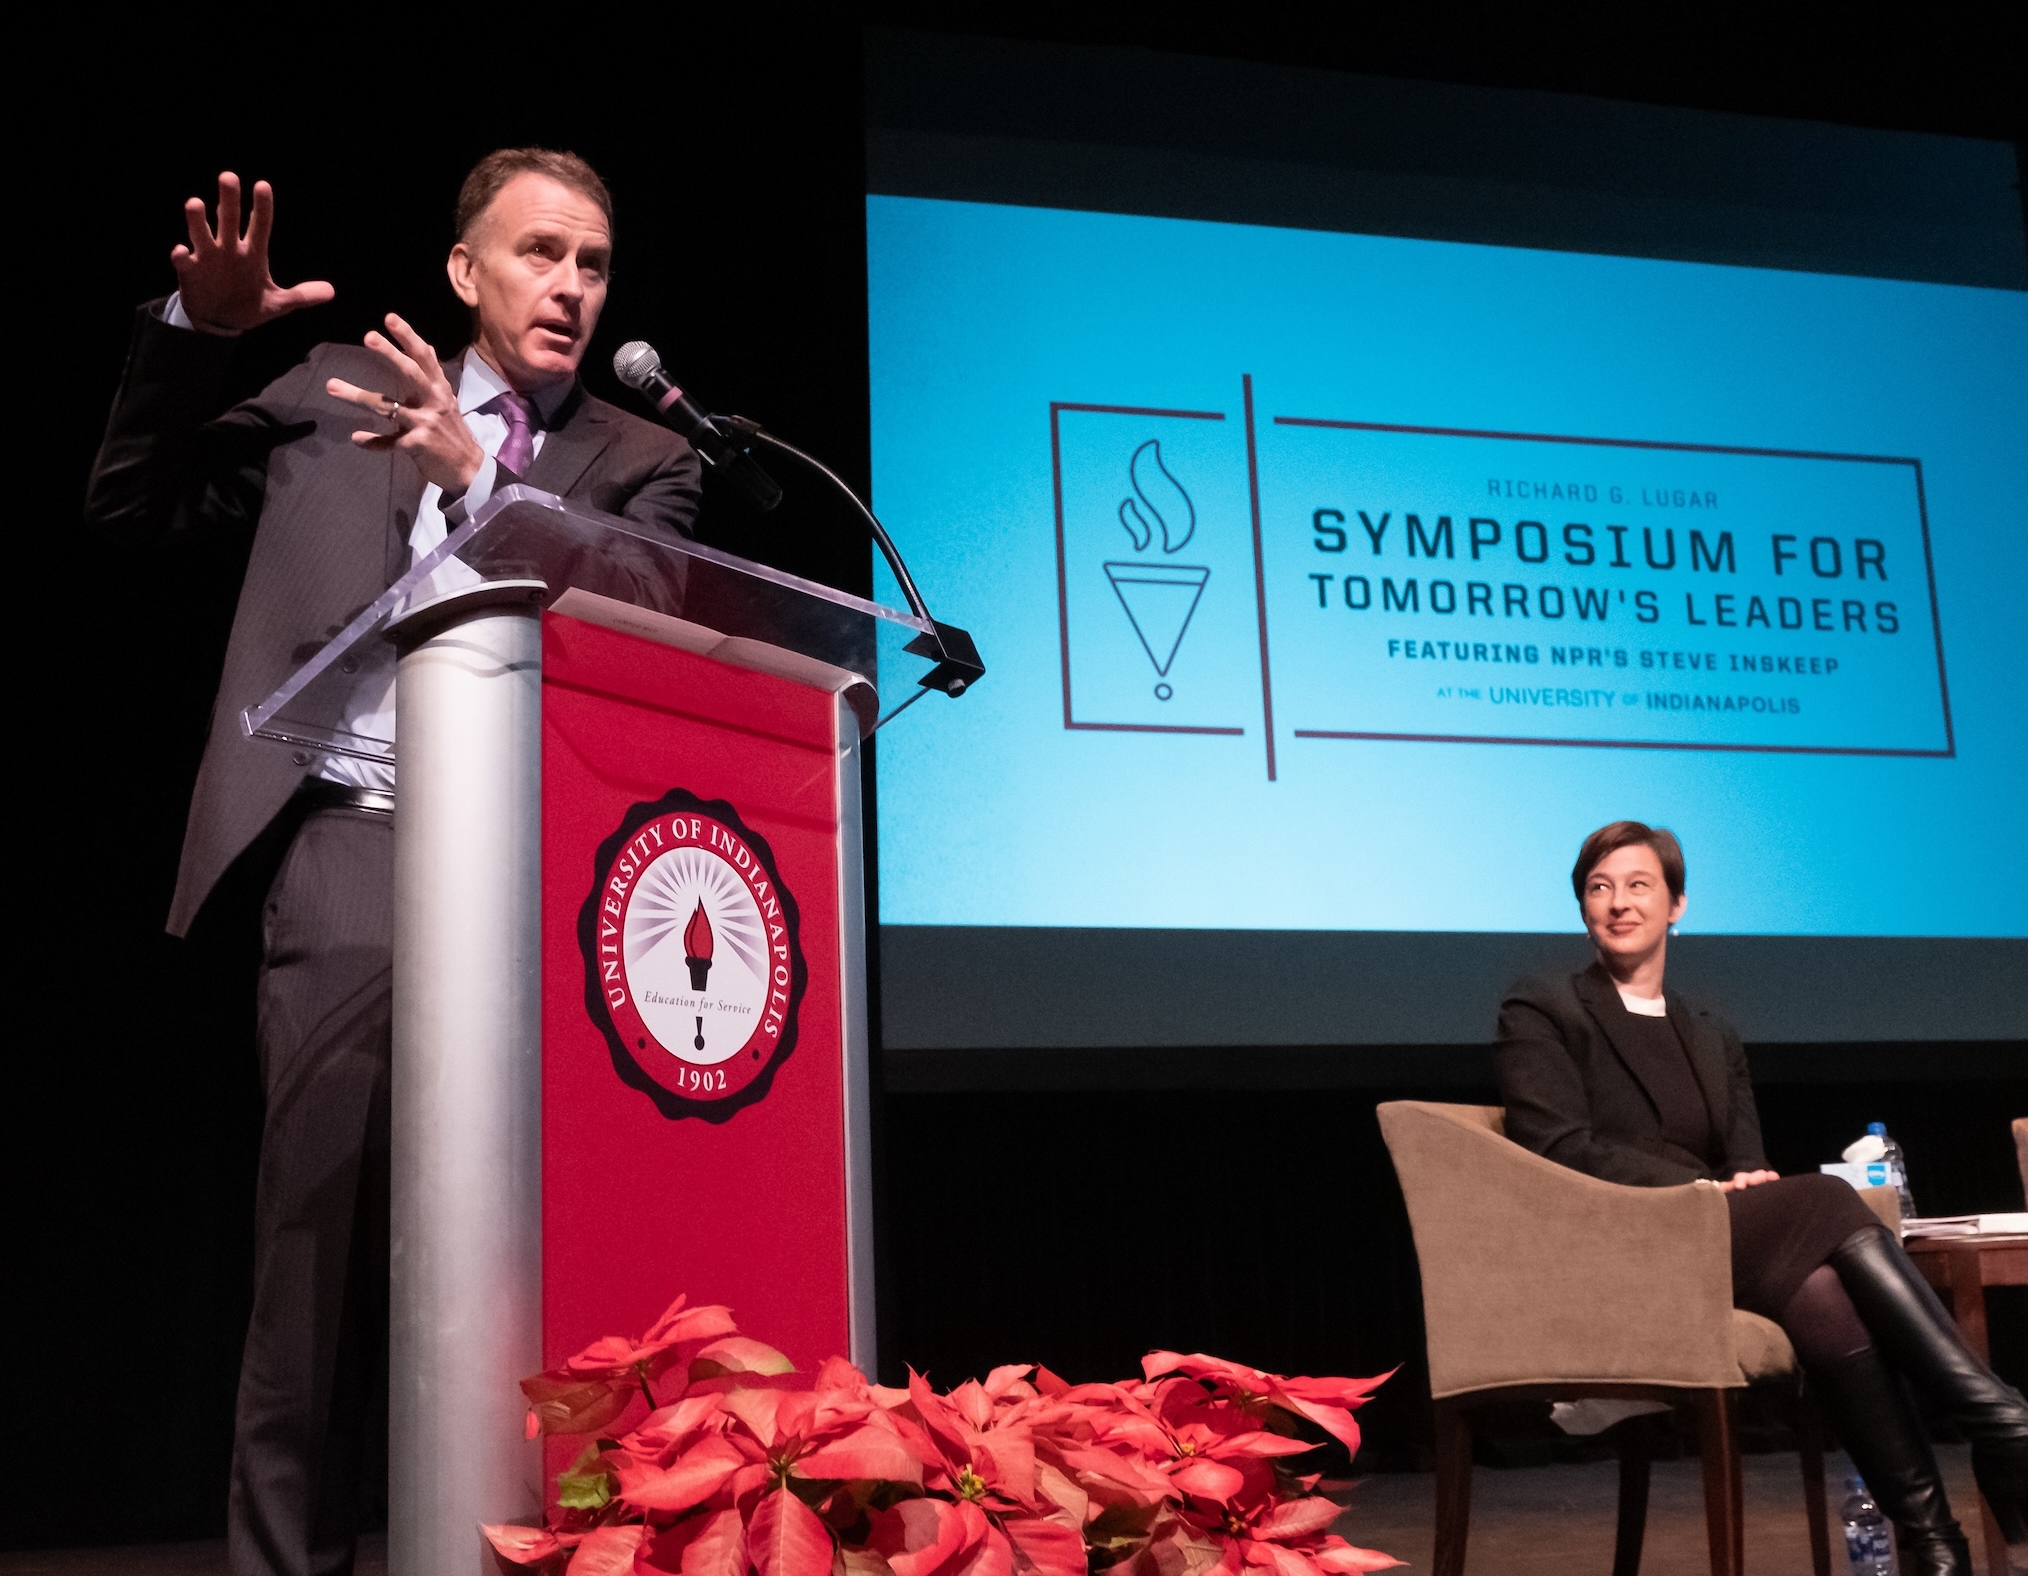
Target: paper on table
(2004, 1224)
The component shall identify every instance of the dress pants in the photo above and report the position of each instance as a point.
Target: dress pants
(311, 1375)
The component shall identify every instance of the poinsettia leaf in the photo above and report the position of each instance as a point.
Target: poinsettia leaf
(608, 1551)
(680, 1323)
(1098, 1467)
(692, 1478)
(737, 1354)
(918, 1536)
(713, 1544)
(1282, 1560)
(1177, 1546)
(1058, 1489)
(1156, 1364)
(939, 1421)
(990, 1554)
(1334, 1420)
(670, 1427)
(1010, 1379)
(1044, 1548)
(719, 1549)
(759, 1410)
(865, 1452)
(970, 1401)
(1258, 1442)
(1207, 1479)
(567, 1404)
(1298, 1518)
(786, 1538)
(748, 1479)
(1340, 1392)
(1006, 1458)
(612, 1355)
(851, 1561)
(522, 1545)
(1049, 1383)
(1342, 1558)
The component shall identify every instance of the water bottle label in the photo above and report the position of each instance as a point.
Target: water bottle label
(1876, 1173)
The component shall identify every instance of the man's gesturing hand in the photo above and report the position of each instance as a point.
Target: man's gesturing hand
(427, 425)
(224, 278)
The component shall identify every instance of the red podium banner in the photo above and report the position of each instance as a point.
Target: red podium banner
(694, 1100)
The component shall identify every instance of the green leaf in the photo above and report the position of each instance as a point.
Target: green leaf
(583, 1490)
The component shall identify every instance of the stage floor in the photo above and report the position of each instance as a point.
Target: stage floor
(1558, 1520)
(1526, 1521)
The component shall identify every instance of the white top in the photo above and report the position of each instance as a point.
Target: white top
(1646, 1006)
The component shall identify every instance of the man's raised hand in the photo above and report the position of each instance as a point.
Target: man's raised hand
(224, 277)
(423, 412)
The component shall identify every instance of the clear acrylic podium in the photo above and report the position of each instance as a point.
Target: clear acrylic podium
(574, 693)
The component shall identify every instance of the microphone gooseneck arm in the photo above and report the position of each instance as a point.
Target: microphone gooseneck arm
(958, 666)
(754, 430)
(952, 651)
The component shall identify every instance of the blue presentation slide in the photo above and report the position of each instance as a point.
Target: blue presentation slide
(1334, 581)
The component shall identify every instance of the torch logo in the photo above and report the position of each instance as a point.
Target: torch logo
(693, 970)
(697, 947)
(1159, 596)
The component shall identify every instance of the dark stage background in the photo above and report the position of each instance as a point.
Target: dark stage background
(1246, 1208)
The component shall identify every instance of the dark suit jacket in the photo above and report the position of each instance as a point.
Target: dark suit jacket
(329, 523)
(1576, 1096)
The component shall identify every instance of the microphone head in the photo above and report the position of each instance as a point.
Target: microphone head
(636, 363)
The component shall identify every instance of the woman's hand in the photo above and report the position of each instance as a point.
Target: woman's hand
(1746, 1179)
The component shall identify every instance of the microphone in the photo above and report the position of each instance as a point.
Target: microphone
(641, 369)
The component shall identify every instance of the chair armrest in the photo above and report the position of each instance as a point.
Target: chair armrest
(1536, 1274)
(1886, 1203)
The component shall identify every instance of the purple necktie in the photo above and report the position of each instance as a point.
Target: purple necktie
(518, 448)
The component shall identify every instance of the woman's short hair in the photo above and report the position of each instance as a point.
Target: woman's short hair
(499, 167)
(1624, 834)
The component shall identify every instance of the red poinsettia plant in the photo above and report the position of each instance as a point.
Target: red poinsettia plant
(736, 1465)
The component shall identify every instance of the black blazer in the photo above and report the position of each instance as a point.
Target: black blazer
(328, 523)
(1574, 1095)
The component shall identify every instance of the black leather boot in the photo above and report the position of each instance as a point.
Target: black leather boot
(1878, 1427)
(1915, 1335)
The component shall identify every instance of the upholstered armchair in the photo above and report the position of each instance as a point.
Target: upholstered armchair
(1541, 1283)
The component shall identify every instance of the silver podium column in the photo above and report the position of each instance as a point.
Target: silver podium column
(466, 1314)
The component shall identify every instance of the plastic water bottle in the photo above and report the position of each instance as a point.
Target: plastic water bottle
(1897, 1168)
(1868, 1543)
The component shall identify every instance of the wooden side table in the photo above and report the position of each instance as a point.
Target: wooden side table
(1961, 1268)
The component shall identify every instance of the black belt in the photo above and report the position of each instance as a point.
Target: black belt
(320, 793)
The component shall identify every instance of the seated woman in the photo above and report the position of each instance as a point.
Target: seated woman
(1611, 1074)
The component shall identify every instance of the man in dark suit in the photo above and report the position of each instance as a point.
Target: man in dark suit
(344, 471)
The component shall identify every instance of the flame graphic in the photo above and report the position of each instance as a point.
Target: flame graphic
(697, 936)
(1175, 514)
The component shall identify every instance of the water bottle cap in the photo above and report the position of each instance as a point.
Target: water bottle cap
(1877, 1129)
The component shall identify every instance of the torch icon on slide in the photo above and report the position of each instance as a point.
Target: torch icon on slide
(1160, 597)
(697, 947)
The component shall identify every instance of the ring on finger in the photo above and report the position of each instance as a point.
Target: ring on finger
(393, 408)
